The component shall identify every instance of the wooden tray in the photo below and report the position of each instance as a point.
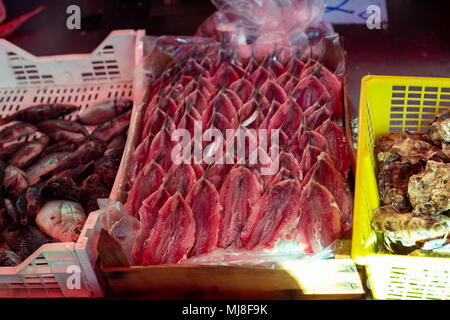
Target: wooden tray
(322, 279)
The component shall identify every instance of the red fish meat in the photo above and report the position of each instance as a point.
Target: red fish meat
(172, 235)
(239, 193)
(319, 224)
(273, 216)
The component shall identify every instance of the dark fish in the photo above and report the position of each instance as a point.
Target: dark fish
(65, 188)
(79, 173)
(59, 147)
(53, 125)
(2, 175)
(30, 201)
(11, 210)
(16, 131)
(61, 219)
(39, 113)
(87, 152)
(14, 181)
(104, 111)
(24, 240)
(3, 218)
(97, 190)
(44, 164)
(67, 137)
(107, 168)
(9, 258)
(112, 128)
(26, 155)
(7, 152)
(118, 143)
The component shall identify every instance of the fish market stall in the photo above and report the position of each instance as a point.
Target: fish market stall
(199, 228)
(62, 132)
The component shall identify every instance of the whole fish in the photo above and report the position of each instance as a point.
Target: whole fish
(44, 164)
(40, 112)
(24, 240)
(106, 167)
(79, 173)
(30, 201)
(66, 188)
(53, 125)
(16, 131)
(94, 186)
(28, 153)
(88, 151)
(104, 111)
(7, 152)
(112, 128)
(61, 219)
(67, 137)
(118, 143)
(9, 258)
(2, 175)
(14, 181)
(3, 218)
(59, 147)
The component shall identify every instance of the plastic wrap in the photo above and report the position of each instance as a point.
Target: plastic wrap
(162, 58)
(260, 25)
(120, 225)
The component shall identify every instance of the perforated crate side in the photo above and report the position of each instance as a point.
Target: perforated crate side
(395, 104)
(112, 61)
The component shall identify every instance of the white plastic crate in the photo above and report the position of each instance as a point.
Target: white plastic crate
(64, 269)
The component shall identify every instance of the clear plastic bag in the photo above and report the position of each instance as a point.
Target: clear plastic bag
(262, 24)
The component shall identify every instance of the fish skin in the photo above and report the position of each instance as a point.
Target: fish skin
(308, 91)
(24, 240)
(9, 258)
(28, 153)
(4, 216)
(15, 180)
(7, 152)
(176, 219)
(93, 185)
(299, 143)
(30, 201)
(203, 199)
(309, 158)
(58, 147)
(111, 129)
(147, 181)
(44, 164)
(273, 216)
(287, 118)
(88, 151)
(52, 125)
(65, 188)
(16, 131)
(40, 112)
(62, 220)
(104, 111)
(148, 212)
(11, 210)
(107, 167)
(67, 137)
(239, 193)
(116, 143)
(78, 173)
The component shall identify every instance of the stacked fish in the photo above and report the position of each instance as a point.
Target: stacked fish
(49, 184)
(190, 209)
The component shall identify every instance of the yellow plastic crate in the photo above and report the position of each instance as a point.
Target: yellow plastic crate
(393, 104)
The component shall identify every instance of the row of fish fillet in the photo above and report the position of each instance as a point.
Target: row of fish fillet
(190, 209)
